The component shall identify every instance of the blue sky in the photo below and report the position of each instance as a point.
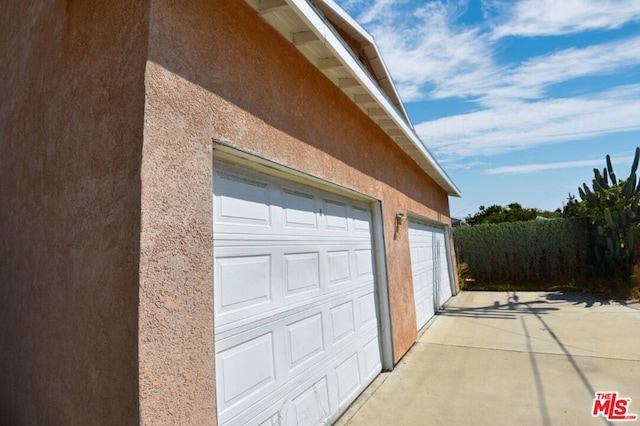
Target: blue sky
(517, 99)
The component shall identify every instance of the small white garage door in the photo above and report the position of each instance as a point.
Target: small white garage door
(296, 333)
(430, 270)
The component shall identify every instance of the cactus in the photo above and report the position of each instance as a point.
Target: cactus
(600, 179)
(613, 207)
(629, 188)
(598, 188)
(609, 218)
(612, 175)
(634, 166)
(610, 245)
(605, 178)
(616, 218)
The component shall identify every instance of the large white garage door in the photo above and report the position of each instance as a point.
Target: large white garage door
(296, 334)
(430, 270)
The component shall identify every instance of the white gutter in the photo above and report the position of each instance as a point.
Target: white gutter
(309, 15)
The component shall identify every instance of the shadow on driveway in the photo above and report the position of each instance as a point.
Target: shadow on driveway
(526, 358)
(499, 309)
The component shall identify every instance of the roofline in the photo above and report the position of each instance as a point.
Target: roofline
(349, 19)
(371, 42)
(408, 141)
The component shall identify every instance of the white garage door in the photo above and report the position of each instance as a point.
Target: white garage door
(430, 270)
(296, 334)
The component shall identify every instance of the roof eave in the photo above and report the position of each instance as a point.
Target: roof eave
(368, 95)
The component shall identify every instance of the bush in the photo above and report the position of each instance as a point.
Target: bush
(534, 254)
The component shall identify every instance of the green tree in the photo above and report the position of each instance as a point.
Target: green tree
(514, 212)
(572, 208)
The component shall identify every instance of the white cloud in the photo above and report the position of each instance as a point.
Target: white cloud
(461, 164)
(431, 57)
(572, 63)
(524, 125)
(423, 50)
(533, 168)
(531, 79)
(556, 17)
(377, 9)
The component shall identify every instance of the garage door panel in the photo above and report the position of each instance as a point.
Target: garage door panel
(275, 207)
(302, 272)
(300, 210)
(344, 372)
(246, 368)
(342, 321)
(259, 283)
(228, 231)
(244, 281)
(261, 278)
(367, 309)
(335, 215)
(237, 321)
(251, 208)
(361, 220)
(353, 308)
(371, 358)
(339, 267)
(298, 344)
(348, 375)
(424, 311)
(294, 297)
(305, 339)
(364, 263)
(422, 266)
(302, 360)
(322, 396)
(311, 407)
(429, 266)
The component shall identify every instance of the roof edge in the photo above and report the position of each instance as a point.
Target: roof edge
(409, 141)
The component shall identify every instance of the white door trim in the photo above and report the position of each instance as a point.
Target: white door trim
(382, 289)
(452, 281)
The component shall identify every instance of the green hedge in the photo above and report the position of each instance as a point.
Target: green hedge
(538, 253)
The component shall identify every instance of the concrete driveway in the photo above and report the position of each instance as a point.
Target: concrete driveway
(527, 358)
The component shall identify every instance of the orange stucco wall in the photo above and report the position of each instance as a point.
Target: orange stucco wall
(216, 70)
(71, 115)
(106, 123)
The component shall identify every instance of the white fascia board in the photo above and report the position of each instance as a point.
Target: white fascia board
(393, 86)
(365, 34)
(309, 15)
(348, 19)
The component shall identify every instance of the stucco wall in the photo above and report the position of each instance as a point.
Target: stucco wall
(218, 71)
(71, 122)
(106, 302)
(177, 382)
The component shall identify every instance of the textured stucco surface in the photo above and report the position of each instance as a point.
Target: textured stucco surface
(106, 123)
(244, 85)
(177, 382)
(71, 118)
